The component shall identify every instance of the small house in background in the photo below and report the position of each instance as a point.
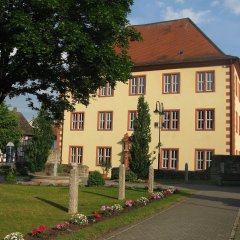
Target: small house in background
(27, 133)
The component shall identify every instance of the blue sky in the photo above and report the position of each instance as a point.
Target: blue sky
(218, 19)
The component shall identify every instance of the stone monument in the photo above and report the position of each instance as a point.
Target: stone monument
(121, 194)
(150, 179)
(73, 189)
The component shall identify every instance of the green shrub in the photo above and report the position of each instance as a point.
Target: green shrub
(95, 179)
(11, 178)
(22, 168)
(4, 170)
(59, 169)
(130, 176)
(115, 173)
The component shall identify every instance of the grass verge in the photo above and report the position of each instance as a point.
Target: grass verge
(97, 230)
(26, 207)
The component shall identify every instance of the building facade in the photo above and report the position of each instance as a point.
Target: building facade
(199, 86)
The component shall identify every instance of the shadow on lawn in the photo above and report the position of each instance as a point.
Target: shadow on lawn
(99, 194)
(53, 204)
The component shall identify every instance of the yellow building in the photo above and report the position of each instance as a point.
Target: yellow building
(199, 86)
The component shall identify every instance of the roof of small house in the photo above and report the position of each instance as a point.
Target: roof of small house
(24, 125)
(176, 41)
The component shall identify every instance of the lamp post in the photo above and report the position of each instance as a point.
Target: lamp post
(160, 111)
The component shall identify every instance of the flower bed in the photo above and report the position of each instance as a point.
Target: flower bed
(78, 221)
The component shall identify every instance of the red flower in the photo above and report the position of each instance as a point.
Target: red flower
(34, 231)
(42, 228)
(97, 215)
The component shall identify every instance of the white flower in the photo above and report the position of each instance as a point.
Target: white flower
(117, 208)
(160, 194)
(14, 236)
(143, 200)
(79, 219)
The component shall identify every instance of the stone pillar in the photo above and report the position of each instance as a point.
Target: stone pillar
(186, 172)
(126, 150)
(150, 179)
(121, 193)
(55, 167)
(73, 190)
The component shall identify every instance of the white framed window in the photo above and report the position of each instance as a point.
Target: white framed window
(106, 91)
(131, 118)
(200, 160)
(105, 120)
(208, 158)
(174, 159)
(137, 85)
(165, 158)
(201, 119)
(141, 85)
(171, 120)
(171, 83)
(104, 155)
(210, 81)
(205, 119)
(77, 121)
(175, 83)
(76, 154)
(167, 120)
(203, 158)
(205, 81)
(170, 158)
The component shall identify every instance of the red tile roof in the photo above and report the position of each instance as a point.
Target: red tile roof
(171, 42)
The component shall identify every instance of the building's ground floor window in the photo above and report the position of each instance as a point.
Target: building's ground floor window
(104, 156)
(170, 158)
(76, 154)
(203, 158)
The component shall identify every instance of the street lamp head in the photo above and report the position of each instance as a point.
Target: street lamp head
(156, 111)
(159, 108)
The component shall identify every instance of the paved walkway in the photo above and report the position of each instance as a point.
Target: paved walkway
(209, 215)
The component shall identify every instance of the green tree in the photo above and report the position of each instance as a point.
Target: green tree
(38, 151)
(141, 137)
(9, 127)
(63, 51)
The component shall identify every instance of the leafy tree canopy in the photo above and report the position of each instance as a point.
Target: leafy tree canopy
(9, 127)
(63, 51)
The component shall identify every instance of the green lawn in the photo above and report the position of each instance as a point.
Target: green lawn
(27, 207)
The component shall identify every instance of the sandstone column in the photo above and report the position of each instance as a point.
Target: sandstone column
(121, 193)
(150, 179)
(73, 190)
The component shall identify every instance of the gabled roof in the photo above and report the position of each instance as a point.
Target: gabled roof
(24, 125)
(172, 42)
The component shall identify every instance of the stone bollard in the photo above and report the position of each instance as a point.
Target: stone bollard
(55, 167)
(150, 179)
(121, 193)
(73, 190)
(186, 172)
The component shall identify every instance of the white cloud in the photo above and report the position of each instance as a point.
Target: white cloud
(179, 1)
(233, 5)
(197, 17)
(215, 3)
(136, 20)
(160, 3)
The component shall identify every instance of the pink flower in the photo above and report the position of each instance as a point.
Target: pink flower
(103, 208)
(128, 203)
(59, 226)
